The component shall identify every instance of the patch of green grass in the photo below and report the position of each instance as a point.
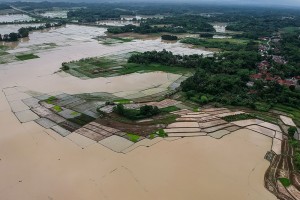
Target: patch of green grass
(57, 108)
(123, 39)
(132, 137)
(285, 182)
(265, 117)
(3, 53)
(224, 44)
(159, 133)
(51, 100)
(2, 47)
(169, 109)
(74, 113)
(152, 136)
(294, 113)
(261, 106)
(133, 68)
(196, 110)
(107, 67)
(26, 56)
(113, 40)
(82, 120)
(122, 101)
(243, 116)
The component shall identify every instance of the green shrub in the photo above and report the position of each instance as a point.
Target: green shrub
(238, 117)
(285, 182)
(162, 133)
(27, 56)
(65, 67)
(57, 108)
(51, 100)
(133, 138)
(204, 99)
(291, 131)
(261, 106)
(134, 114)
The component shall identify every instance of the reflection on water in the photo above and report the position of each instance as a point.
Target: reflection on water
(15, 18)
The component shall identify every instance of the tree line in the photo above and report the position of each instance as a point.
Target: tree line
(24, 32)
(223, 78)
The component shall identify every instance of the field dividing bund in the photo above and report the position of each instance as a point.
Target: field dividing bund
(74, 118)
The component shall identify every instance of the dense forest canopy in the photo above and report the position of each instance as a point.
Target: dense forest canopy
(223, 78)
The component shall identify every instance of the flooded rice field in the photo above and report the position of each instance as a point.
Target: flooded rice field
(15, 18)
(9, 28)
(220, 27)
(117, 23)
(191, 168)
(55, 14)
(139, 17)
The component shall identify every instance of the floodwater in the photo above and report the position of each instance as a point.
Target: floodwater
(221, 37)
(220, 27)
(9, 28)
(55, 14)
(15, 18)
(139, 17)
(39, 164)
(117, 22)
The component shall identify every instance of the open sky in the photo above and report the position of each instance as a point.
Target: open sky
(239, 2)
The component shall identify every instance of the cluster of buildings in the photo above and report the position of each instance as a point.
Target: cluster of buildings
(264, 74)
(265, 66)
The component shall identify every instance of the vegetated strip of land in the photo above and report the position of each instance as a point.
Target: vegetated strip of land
(106, 67)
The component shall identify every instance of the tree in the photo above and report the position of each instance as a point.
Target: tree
(24, 32)
(291, 131)
(204, 99)
(119, 109)
(292, 87)
(13, 36)
(169, 37)
(48, 25)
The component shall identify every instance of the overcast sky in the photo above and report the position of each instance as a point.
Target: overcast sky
(240, 2)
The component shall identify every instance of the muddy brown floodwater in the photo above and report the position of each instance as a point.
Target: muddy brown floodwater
(38, 164)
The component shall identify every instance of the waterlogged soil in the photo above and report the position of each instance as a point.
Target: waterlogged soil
(15, 18)
(142, 129)
(33, 159)
(55, 14)
(9, 28)
(116, 23)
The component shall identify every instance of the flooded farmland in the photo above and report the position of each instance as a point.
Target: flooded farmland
(168, 170)
(55, 14)
(9, 28)
(15, 18)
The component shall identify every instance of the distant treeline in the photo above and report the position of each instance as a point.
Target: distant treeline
(145, 29)
(24, 32)
(22, 22)
(176, 24)
(169, 37)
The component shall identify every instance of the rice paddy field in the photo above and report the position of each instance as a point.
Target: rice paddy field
(43, 109)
